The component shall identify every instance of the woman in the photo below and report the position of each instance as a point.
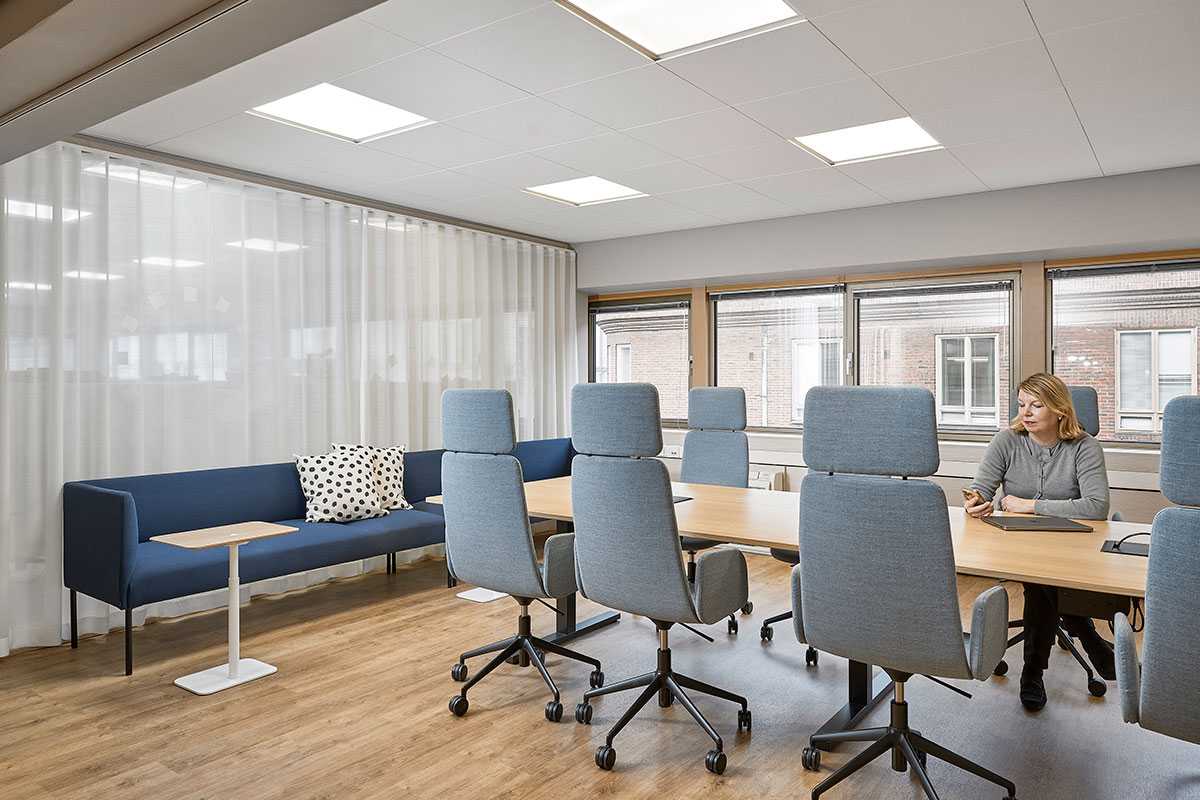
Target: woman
(1045, 463)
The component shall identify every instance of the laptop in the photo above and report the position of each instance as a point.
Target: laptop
(1022, 523)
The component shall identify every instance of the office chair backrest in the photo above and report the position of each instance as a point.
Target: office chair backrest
(877, 563)
(1087, 408)
(627, 553)
(1170, 691)
(488, 540)
(716, 449)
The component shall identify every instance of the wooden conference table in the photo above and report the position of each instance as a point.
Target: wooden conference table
(771, 519)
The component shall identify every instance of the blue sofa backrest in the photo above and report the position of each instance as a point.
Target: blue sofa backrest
(540, 459)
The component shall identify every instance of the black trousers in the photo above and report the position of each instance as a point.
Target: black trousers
(1041, 624)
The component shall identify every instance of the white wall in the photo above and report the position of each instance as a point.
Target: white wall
(1125, 213)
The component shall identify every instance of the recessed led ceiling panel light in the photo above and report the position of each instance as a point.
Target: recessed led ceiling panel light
(585, 191)
(162, 261)
(893, 137)
(658, 28)
(266, 245)
(340, 113)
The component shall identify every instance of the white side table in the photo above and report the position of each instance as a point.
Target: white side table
(238, 670)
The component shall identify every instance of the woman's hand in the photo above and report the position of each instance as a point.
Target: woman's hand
(977, 509)
(1017, 504)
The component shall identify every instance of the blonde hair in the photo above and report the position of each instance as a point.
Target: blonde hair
(1051, 392)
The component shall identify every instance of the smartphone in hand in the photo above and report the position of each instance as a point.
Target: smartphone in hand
(972, 497)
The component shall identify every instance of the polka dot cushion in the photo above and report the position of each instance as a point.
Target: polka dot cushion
(339, 487)
(388, 466)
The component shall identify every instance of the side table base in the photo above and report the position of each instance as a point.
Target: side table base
(217, 678)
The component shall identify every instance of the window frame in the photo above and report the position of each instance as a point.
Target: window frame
(968, 408)
(672, 299)
(1154, 413)
(944, 283)
(823, 287)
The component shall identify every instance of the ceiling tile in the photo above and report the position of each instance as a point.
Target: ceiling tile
(529, 124)
(1057, 15)
(824, 108)
(1017, 68)
(447, 185)
(441, 145)
(754, 162)
(429, 84)
(934, 174)
(999, 118)
(701, 134)
(1152, 129)
(895, 33)
(611, 152)
(520, 171)
(323, 55)
(725, 201)
(812, 9)
(815, 190)
(794, 57)
(1030, 160)
(634, 97)
(426, 22)
(259, 145)
(542, 49)
(669, 177)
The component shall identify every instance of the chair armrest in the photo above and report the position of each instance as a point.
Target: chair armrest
(797, 606)
(100, 539)
(558, 565)
(1129, 671)
(989, 632)
(722, 586)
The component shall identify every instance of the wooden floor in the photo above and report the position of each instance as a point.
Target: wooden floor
(358, 709)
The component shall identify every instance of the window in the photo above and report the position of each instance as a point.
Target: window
(966, 380)
(645, 342)
(1129, 332)
(1153, 367)
(953, 338)
(777, 345)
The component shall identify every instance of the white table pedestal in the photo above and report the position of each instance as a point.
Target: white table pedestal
(236, 670)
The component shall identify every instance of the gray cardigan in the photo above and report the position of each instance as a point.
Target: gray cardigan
(1067, 480)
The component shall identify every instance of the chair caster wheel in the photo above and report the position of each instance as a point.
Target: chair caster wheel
(606, 757)
(458, 705)
(811, 657)
(810, 759)
(733, 626)
(459, 672)
(714, 762)
(583, 713)
(554, 711)
(748, 608)
(1097, 688)
(766, 633)
(1001, 668)
(744, 720)
(596, 679)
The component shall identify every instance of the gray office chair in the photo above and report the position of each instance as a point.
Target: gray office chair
(488, 539)
(627, 551)
(876, 581)
(715, 451)
(1161, 693)
(1087, 409)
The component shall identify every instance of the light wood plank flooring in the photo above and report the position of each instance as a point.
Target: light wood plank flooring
(358, 709)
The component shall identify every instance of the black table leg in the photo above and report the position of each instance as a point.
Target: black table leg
(568, 628)
(864, 691)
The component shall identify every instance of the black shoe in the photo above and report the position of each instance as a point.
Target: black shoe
(1033, 691)
(1101, 654)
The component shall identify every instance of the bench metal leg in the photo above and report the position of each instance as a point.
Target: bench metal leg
(74, 621)
(129, 641)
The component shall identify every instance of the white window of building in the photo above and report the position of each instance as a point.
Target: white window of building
(814, 363)
(1153, 367)
(967, 376)
(624, 362)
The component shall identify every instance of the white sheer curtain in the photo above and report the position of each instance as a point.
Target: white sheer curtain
(158, 320)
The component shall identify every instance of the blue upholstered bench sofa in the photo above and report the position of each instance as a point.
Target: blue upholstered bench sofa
(107, 525)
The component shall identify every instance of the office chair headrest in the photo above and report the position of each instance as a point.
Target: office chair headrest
(717, 408)
(478, 421)
(1179, 465)
(870, 430)
(1087, 408)
(615, 419)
